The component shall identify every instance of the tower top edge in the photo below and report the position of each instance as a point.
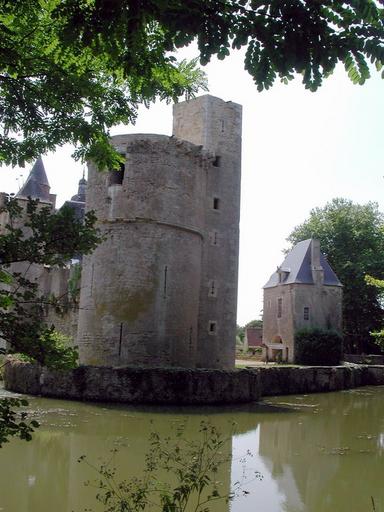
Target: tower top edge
(158, 139)
(209, 98)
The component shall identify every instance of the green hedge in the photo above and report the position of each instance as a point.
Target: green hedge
(318, 347)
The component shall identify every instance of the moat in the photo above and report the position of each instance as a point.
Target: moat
(316, 453)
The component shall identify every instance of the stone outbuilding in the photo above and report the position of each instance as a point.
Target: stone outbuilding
(304, 292)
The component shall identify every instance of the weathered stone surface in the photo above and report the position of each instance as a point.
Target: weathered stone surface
(364, 358)
(135, 385)
(161, 289)
(184, 386)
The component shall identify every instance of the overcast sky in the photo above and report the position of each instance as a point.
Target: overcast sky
(300, 150)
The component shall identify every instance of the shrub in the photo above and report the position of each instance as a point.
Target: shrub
(378, 337)
(50, 348)
(318, 347)
(191, 470)
(255, 350)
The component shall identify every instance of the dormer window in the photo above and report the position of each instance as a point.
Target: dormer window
(283, 274)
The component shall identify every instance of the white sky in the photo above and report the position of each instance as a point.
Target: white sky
(300, 150)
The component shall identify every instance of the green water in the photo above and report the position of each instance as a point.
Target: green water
(316, 453)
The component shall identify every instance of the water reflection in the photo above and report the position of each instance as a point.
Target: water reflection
(316, 453)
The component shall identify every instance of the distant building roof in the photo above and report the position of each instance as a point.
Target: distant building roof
(78, 207)
(297, 268)
(81, 192)
(37, 185)
(77, 202)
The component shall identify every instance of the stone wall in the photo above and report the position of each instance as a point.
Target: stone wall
(140, 288)
(364, 358)
(183, 386)
(134, 385)
(215, 125)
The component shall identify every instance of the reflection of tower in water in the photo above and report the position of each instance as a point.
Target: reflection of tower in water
(47, 475)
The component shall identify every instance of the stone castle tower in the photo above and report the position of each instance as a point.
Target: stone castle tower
(161, 290)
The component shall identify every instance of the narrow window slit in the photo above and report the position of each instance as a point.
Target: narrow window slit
(216, 203)
(92, 273)
(165, 281)
(212, 290)
(120, 338)
(279, 307)
(217, 161)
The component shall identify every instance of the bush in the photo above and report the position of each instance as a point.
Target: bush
(50, 348)
(378, 337)
(255, 350)
(318, 347)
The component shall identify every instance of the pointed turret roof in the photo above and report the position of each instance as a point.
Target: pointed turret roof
(297, 268)
(37, 185)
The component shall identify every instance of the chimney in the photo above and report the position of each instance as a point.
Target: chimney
(317, 269)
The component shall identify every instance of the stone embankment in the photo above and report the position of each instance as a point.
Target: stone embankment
(184, 386)
(134, 385)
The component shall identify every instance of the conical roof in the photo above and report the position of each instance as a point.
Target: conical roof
(37, 185)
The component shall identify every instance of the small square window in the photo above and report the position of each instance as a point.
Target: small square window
(116, 176)
(217, 161)
(212, 327)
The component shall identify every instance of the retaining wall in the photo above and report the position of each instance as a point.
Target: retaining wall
(134, 385)
(372, 359)
(183, 386)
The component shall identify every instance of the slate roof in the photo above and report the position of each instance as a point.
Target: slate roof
(37, 185)
(82, 190)
(78, 207)
(77, 202)
(297, 268)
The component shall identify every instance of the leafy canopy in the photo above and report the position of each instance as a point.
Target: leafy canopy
(70, 69)
(352, 238)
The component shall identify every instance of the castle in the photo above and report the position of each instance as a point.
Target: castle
(161, 289)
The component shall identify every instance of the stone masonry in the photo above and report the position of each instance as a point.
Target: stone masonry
(161, 290)
(304, 292)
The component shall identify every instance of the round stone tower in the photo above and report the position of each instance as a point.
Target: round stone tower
(140, 288)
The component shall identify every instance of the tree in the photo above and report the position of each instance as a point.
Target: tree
(254, 323)
(352, 238)
(35, 235)
(70, 70)
(13, 424)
